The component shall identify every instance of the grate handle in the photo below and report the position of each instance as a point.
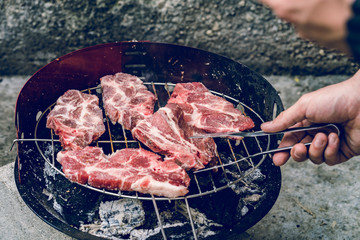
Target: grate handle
(262, 133)
(275, 150)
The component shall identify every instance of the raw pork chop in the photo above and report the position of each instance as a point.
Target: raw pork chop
(163, 132)
(126, 99)
(77, 119)
(127, 169)
(208, 112)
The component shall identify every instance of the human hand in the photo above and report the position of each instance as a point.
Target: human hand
(322, 21)
(338, 103)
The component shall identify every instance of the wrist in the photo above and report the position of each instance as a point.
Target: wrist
(354, 86)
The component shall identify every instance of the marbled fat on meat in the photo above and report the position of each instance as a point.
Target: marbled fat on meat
(208, 112)
(126, 99)
(77, 119)
(163, 132)
(126, 170)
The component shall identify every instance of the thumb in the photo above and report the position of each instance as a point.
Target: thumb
(286, 119)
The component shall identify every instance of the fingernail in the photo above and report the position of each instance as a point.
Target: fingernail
(266, 124)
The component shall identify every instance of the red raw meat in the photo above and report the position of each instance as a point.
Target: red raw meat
(127, 169)
(208, 112)
(166, 133)
(77, 119)
(126, 99)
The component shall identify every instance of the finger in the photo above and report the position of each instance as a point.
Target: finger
(331, 154)
(289, 139)
(280, 158)
(284, 9)
(286, 119)
(268, 3)
(276, 4)
(317, 148)
(299, 152)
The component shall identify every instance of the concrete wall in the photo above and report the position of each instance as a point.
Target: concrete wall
(34, 32)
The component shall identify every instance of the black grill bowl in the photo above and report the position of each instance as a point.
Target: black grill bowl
(44, 190)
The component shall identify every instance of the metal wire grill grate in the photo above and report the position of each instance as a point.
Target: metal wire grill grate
(236, 160)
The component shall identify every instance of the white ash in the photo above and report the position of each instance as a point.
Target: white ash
(244, 211)
(58, 207)
(205, 234)
(38, 115)
(233, 174)
(92, 228)
(48, 151)
(49, 170)
(121, 216)
(252, 198)
(47, 193)
(98, 89)
(169, 88)
(237, 142)
(200, 220)
(251, 175)
(27, 152)
(251, 191)
(240, 107)
(115, 223)
(90, 216)
(118, 218)
(140, 234)
(254, 175)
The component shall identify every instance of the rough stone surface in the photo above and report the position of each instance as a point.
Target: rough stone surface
(17, 221)
(32, 33)
(9, 90)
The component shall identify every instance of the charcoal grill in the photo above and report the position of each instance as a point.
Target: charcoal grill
(242, 167)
